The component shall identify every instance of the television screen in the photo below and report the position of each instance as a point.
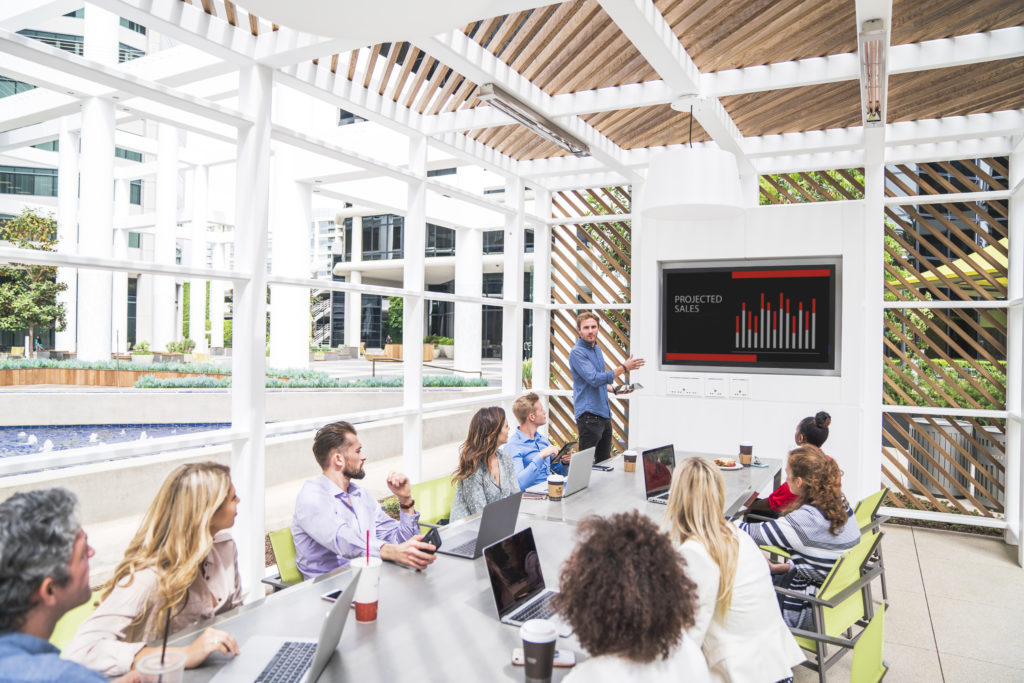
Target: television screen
(751, 316)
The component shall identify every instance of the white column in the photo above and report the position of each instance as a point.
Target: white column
(868, 466)
(512, 290)
(1015, 360)
(414, 243)
(354, 300)
(119, 287)
(248, 362)
(289, 306)
(96, 217)
(67, 232)
(197, 287)
(469, 281)
(541, 291)
(217, 289)
(166, 229)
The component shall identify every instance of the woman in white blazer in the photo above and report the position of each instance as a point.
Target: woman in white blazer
(738, 622)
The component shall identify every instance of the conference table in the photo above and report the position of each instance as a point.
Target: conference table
(441, 624)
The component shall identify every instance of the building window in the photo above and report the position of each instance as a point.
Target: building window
(63, 41)
(134, 240)
(382, 237)
(78, 14)
(528, 240)
(132, 26)
(127, 154)
(41, 182)
(51, 146)
(494, 242)
(440, 172)
(346, 118)
(135, 193)
(9, 86)
(133, 294)
(440, 241)
(126, 53)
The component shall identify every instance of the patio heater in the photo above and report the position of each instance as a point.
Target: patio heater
(871, 44)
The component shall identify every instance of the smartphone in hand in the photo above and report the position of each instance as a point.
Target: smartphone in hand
(563, 450)
(434, 538)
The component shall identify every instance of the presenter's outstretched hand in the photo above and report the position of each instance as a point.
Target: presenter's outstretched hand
(632, 363)
(412, 553)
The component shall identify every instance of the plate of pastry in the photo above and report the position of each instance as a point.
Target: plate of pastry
(728, 464)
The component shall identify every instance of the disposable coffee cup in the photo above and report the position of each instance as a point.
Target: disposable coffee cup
(629, 461)
(539, 638)
(746, 452)
(368, 589)
(171, 671)
(556, 484)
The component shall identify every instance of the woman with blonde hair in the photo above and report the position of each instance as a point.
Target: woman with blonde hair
(485, 472)
(181, 562)
(816, 529)
(737, 622)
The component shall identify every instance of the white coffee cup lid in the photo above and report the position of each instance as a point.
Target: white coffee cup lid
(538, 631)
(556, 478)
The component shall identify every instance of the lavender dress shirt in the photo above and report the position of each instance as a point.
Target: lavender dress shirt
(330, 525)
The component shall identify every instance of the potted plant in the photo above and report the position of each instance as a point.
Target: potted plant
(141, 353)
(187, 347)
(447, 347)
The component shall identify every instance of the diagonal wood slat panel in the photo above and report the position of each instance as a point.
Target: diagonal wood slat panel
(956, 91)
(914, 21)
(646, 127)
(816, 186)
(794, 110)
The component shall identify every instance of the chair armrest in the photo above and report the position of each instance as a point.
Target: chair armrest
(842, 595)
(821, 637)
(429, 525)
(753, 516)
(276, 582)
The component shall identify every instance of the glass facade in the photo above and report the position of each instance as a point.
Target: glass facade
(440, 241)
(41, 182)
(133, 298)
(9, 86)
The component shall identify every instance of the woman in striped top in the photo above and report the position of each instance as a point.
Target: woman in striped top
(818, 527)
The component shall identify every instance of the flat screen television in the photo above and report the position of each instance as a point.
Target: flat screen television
(773, 315)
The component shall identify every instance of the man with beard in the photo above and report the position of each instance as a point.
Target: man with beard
(333, 514)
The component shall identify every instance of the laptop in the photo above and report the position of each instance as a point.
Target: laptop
(518, 583)
(659, 464)
(291, 660)
(497, 522)
(578, 477)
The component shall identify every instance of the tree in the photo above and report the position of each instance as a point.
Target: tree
(393, 324)
(28, 294)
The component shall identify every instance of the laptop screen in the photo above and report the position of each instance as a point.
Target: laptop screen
(658, 466)
(514, 568)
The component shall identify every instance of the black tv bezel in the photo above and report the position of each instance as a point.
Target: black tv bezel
(829, 369)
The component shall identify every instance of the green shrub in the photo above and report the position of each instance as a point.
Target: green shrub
(445, 341)
(950, 380)
(142, 349)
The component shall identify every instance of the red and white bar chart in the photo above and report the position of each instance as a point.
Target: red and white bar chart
(789, 325)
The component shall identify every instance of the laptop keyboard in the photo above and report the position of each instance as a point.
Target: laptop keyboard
(288, 665)
(466, 548)
(662, 498)
(541, 609)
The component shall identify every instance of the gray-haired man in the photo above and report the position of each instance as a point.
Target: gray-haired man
(44, 572)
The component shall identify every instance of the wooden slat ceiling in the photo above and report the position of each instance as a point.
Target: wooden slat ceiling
(575, 46)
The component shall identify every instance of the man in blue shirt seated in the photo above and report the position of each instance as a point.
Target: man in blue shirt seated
(44, 572)
(531, 452)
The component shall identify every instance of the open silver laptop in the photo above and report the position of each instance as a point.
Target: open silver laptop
(291, 660)
(578, 477)
(658, 463)
(497, 521)
(517, 582)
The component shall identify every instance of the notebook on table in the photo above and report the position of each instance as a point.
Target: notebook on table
(578, 477)
(659, 464)
(497, 521)
(269, 659)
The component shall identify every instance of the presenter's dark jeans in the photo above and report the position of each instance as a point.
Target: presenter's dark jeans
(596, 431)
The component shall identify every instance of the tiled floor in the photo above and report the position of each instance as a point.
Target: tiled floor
(956, 609)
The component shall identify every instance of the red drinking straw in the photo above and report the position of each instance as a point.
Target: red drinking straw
(367, 547)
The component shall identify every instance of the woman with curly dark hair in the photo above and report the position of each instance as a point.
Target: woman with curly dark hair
(624, 592)
(485, 473)
(817, 528)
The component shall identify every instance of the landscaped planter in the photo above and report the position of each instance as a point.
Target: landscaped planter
(74, 376)
(395, 351)
(447, 351)
(142, 358)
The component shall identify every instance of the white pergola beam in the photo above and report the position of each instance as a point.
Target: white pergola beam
(285, 47)
(15, 16)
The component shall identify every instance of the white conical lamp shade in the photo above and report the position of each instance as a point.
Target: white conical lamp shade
(693, 183)
(372, 21)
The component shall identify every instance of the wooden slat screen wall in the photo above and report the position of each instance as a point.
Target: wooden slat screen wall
(591, 264)
(944, 357)
(812, 186)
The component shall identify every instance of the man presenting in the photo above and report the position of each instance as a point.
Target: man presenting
(332, 514)
(532, 453)
(590, 387)
(44, 572)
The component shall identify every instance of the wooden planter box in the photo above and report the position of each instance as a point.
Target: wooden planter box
(95, 378)
(395, 351)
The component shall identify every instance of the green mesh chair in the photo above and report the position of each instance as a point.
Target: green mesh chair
(843, 602)
(67, 626)
(283, 545)
(868, 519)
(434, 500)
(867, 665)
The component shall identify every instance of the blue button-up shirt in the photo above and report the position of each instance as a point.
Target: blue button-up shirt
(531, 469)
(26, 658)
(589, 380)
(329, 526)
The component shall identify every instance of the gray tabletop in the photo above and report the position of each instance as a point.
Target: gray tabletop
(441, 624)
(620, 491)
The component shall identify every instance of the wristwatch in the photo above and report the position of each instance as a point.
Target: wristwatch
(410, 506)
